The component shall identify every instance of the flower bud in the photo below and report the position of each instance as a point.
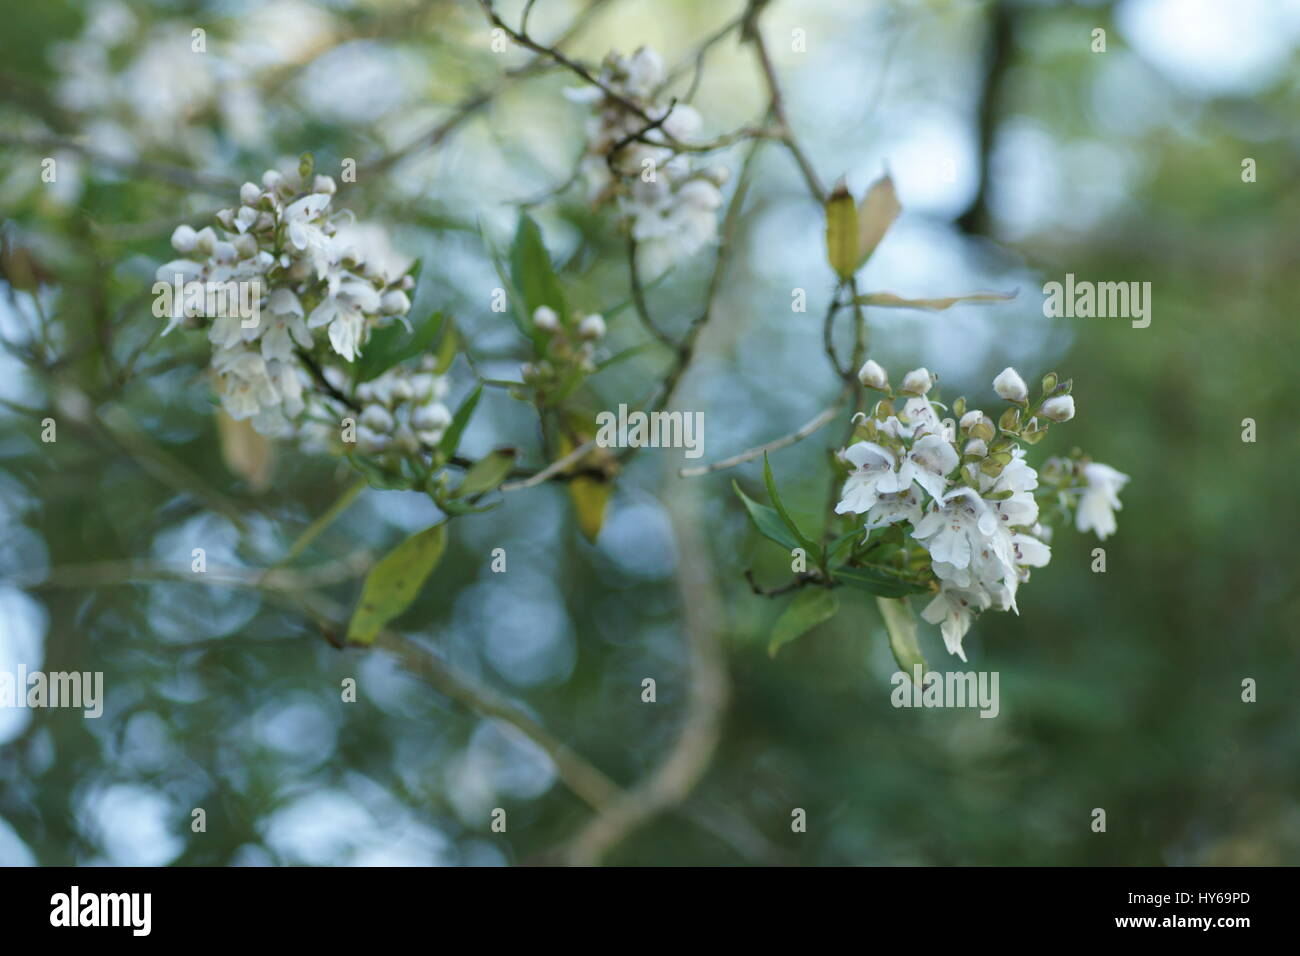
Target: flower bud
(205, 239)
(227, 219)
(429, 418)
(377, 419)
(324, 184)
(184, 238)
(1050, 381)
(917, 381)
(1059, 408)
(249, 193)
(971, 418)
(1010, 385)
(592, 327)
(246, 246)
(272, 179)
(976, 447)
(545, 319)
(871, 375)
(394, 302)
(1010, 420)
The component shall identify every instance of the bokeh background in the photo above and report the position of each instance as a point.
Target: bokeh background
(1019, 155)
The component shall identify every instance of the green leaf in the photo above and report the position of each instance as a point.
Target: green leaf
(805, 542)
(810, 607)
(486, 473)
(392, 345)
(590, 497)
(878, 581)
(447, 349)
(451, 437)
(393, 583)
(767, 521)
(532, 273)
(900, 622)
(376, 475)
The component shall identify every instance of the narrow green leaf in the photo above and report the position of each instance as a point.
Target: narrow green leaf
(878, 581)
(451, 437)
(888, 300)
(807, 543)
(531, 271)
(842, 232)
(900, 622)
(486, 473)
(394, 582)
(809, 608)
(767, 521)
(447, 349)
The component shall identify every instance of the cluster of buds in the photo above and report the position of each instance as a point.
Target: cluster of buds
(402, 412)
(276, 269)
(963, 493)
(566, 348)
(633, 157)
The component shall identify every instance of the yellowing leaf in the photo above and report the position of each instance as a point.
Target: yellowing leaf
(247, 453)
(890, 301)
(876, 213)
(590, 499)
(393, 583)
(900, 622)
(842, 232)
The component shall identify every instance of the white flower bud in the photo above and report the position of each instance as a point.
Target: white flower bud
(184, 238)
(246, 246)
(394, 302)
(917, 381)
(265, 222)
(407, 283)
(205, 239)
(227, 218)
(546, 319)
(592, 327)
(972, 417)
(224, 251)
(976, 446)
(249, 193)
(272, 179)
(1059, 408)
(377, 419)
(871, 375)
(429, 418)
(324, 184)
(1010, 385)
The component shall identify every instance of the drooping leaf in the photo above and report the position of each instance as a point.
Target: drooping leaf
(842, 232)
(879, 581)
(767, 521)
(809, 546)
(393, 345)
(486, 473)
(447, 349)
(394, 582)
(888, 300)
(451, 437)
(876, 213)
(900, 622)
(809, 608)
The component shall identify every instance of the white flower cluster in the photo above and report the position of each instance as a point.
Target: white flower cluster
(565, 347)
(402, 412)
(671, 206)
(966, 493)
(281, 252)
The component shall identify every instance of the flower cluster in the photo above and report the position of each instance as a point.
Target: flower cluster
(401, 411)
(565, 349)
(671, 206)
(282, 253)
(963, 493)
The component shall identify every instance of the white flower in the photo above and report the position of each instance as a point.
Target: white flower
(395, 302)
(1059, 408)
(645, 71)
(592, 327)
(928, 463)
(871, 375)
(377, 419)
(245, 383)
(958, 527)
(284, 326)
(1100, 500)
(873, 474)
(917, 381)
(953, 609)
(345, 314)
(1010, 385)
(892, 507)
(250, 193)
(431, 419)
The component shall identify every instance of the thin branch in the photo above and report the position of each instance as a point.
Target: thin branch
(812, 426)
